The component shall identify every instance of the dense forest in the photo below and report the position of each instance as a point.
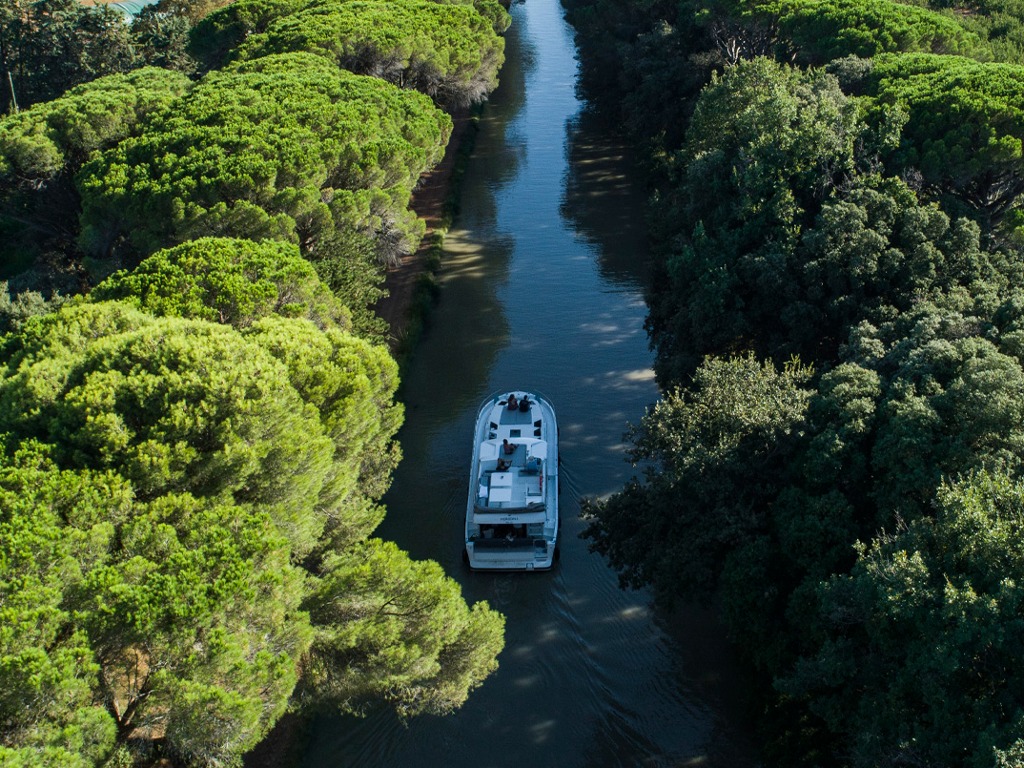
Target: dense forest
(197, 403)
(836, 311)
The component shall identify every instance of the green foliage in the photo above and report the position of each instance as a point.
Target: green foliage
(161, 39)
(49, 46)
(388, 627)
(42, 148)
(286, 147)
(919, 662)
(1001, 22)
(822, 30)
(236, 282)
(765, 146)
(347, 264)
(135, 606)
(450, 52)
(874, 232)
(219, 33)
(351, 384)
(17, 309)
(181, 440)
(964, 128)
(172, 405)
(716, 453)
(169, 474)
(216, 36)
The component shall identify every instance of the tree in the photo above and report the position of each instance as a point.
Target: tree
(215, 37)
(919, 660)
(230, 281)
(176, 613)
(351, 385)
(273, 295)
(394, 629)
(161, 39)
(716, 456)
(47, 669)
(16, 309)
(820, 31)
(42, 148)
(953, 407)
(347, 263)
(49, 46)
(766, 146)
(874, 251)
(285, 147)
(173, 406)
(165, 478)
(450, 52)
(964, 127)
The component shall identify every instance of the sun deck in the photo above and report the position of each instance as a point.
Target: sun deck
(519, 485)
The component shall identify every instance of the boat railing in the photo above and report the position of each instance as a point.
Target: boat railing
(533, 506)
(506, 544)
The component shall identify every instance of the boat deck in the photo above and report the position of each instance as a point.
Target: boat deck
(516, 487)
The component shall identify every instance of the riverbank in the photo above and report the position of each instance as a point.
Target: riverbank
(411, 288)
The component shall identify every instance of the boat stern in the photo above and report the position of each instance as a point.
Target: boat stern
(514, 555)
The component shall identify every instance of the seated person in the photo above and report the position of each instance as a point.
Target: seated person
(524, 404)
(513, 403)
(508, 447)
(503, 465)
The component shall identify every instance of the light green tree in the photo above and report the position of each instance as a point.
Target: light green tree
(448, 51)
(391, 628)
(285, 147)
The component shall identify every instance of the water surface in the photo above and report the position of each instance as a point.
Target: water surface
(542, 290)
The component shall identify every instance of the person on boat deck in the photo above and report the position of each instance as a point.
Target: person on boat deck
(509, 447)
(503, 465)
(513, 403)
(524, 404)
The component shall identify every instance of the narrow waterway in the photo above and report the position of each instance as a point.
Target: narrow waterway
(542, 290)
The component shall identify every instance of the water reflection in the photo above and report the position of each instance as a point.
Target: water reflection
(602, 202)
(540, 290)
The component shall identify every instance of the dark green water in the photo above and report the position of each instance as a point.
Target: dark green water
(542, 290)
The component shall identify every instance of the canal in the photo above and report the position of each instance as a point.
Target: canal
(542, 290)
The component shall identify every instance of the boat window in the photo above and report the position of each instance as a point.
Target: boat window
(515, 433)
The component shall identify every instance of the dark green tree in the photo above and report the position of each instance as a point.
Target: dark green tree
(765, 149)
(716, 454)
(49, 46)
(919, 662)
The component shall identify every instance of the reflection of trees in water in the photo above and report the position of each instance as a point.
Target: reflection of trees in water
(468, 328)
(496, 155)
(603, 198)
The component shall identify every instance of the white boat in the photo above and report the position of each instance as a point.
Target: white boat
(512, 514)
